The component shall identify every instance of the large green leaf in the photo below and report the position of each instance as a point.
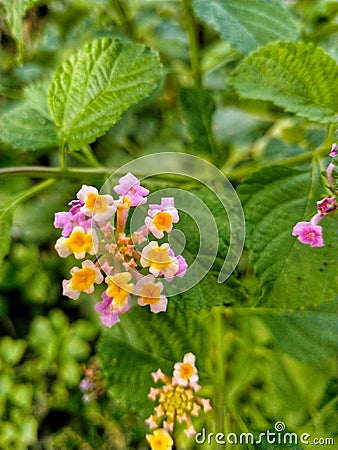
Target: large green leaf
(247, 24)
(140, 344)
(92, 89)
(292, 274)
(27, 125)
(310, 336)
(297, 77)
(197, 107)
(207, 292)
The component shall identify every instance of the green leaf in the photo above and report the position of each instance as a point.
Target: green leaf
(310, 336)
(297, 77)
(91, 90)
(292, 274)
(208, 292)
(197, 107)
(27, 125)
(12, 350)
(247, 24)
(140, 344)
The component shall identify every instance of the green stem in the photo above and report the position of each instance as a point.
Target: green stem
(46, 172)
(220, 372)
(241, 173)
(33, 191)
(91, 158)
(192, 33)
(63, 157)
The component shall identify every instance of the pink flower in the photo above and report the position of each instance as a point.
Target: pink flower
(334, 150)
(149, 293)
(329, 171)
(99, 207)
(68, 221)
(185, 373)
(327, 205)
(161, 217)
(108, 316)
(308, 233)
(129, 186)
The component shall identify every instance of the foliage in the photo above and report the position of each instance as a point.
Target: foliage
(251, 87)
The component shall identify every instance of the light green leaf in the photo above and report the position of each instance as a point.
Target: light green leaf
(140, 344)
(292, 274)
(197, 107)
(310, 336)
(91, 90)
(25, 128)
(247, 24)
(27, 125)
(297, 77)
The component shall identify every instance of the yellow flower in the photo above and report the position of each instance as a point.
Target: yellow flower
(160, 440)
(119, 287)
(79, 243)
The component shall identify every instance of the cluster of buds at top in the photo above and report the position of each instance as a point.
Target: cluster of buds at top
(310, 232)
(177, 401)
(95, 225)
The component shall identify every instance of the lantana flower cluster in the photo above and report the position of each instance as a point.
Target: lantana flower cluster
(94, 230)
(177, 402)
(310, 232)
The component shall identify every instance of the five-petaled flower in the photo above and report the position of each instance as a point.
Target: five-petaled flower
(149, 293)
(309, 234)
(82, 280)
(158, 260)
(160, 440)
(129, 186)
(79, 243)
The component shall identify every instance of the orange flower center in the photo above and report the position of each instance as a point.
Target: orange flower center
(79, 242)
(186, 371)
(96, 203)
(162, 220)
(83, 279)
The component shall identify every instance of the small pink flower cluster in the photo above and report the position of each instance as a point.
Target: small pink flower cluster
(310, 232)
(95, 225)
(92, 384)
(177, 400)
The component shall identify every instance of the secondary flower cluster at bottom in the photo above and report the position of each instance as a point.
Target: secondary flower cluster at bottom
(310, 232)
(177, 401)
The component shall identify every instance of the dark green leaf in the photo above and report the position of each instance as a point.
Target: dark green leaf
(247, 24)
(91, 90)
(292, 274)
(297, 77)
(140, 344)
(197, 107)
(310, 336)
